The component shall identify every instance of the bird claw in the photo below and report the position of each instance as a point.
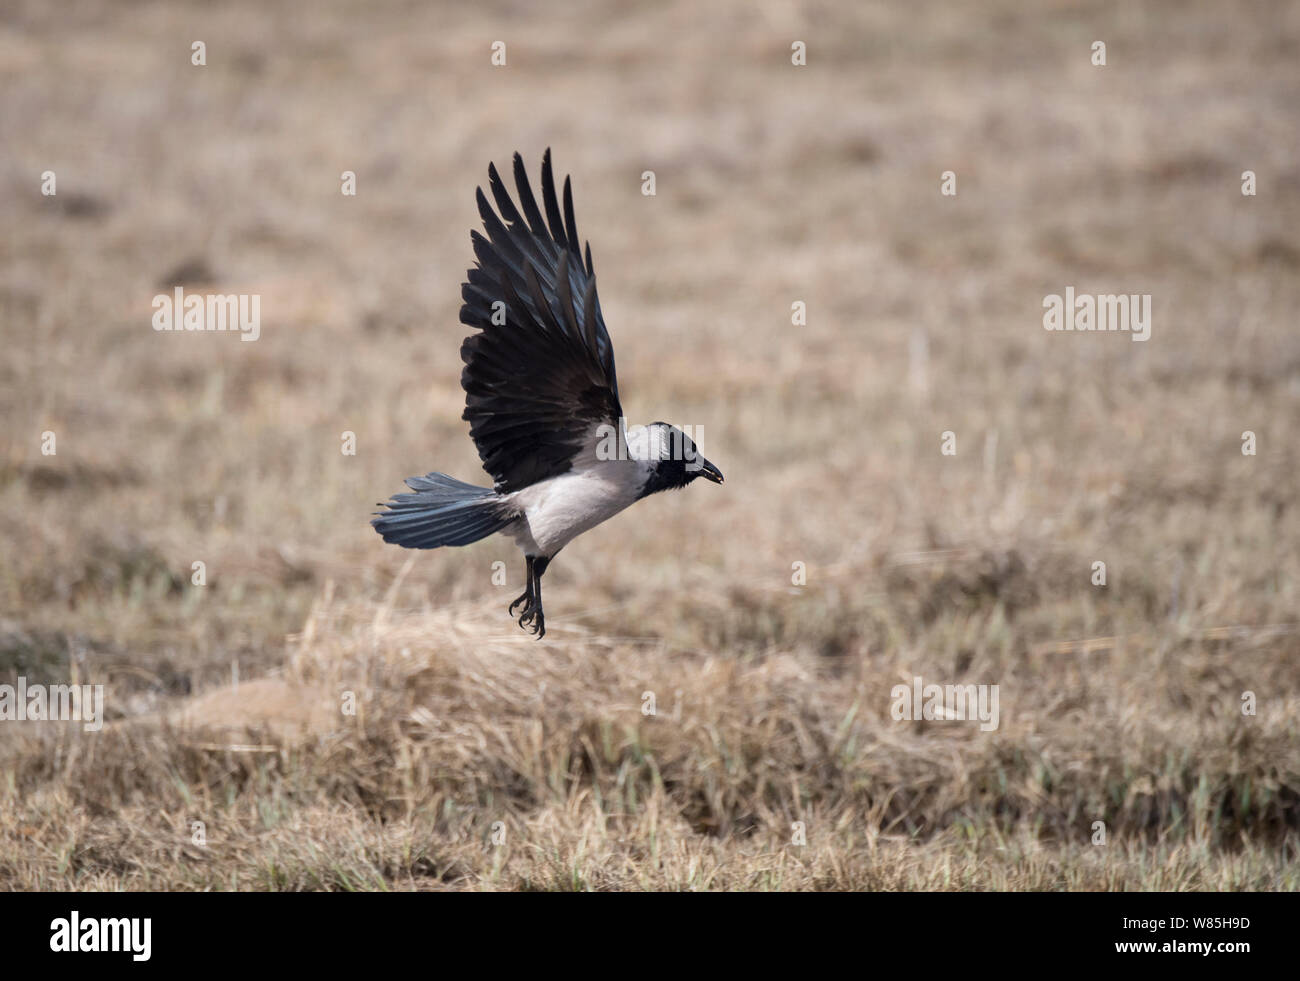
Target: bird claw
(533, 618)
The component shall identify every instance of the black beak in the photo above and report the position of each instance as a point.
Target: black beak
(709, 472)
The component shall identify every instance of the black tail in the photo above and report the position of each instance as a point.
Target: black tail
(442, 511)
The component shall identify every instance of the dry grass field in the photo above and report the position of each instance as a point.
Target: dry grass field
(479, 759)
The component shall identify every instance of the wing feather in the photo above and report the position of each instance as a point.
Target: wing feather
(537, 384)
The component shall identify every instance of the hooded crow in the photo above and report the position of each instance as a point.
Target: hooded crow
(541, 399)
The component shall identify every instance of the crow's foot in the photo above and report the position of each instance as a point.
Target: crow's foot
(533, 618)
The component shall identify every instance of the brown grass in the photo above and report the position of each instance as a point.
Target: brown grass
(479, 759)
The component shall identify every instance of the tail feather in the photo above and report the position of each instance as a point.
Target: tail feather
(442, 511)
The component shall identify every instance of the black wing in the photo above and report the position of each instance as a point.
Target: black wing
(538, 384)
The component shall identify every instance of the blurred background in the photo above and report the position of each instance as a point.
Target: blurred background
(775, 184)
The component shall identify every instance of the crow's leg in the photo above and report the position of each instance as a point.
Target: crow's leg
(533, 615)
(527, 597)
(539, 567)
(530, 606)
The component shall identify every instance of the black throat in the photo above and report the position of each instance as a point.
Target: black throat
(667, 475)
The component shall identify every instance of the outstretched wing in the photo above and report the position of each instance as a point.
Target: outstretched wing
(539, 376)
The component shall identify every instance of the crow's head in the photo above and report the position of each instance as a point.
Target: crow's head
(670, 456)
